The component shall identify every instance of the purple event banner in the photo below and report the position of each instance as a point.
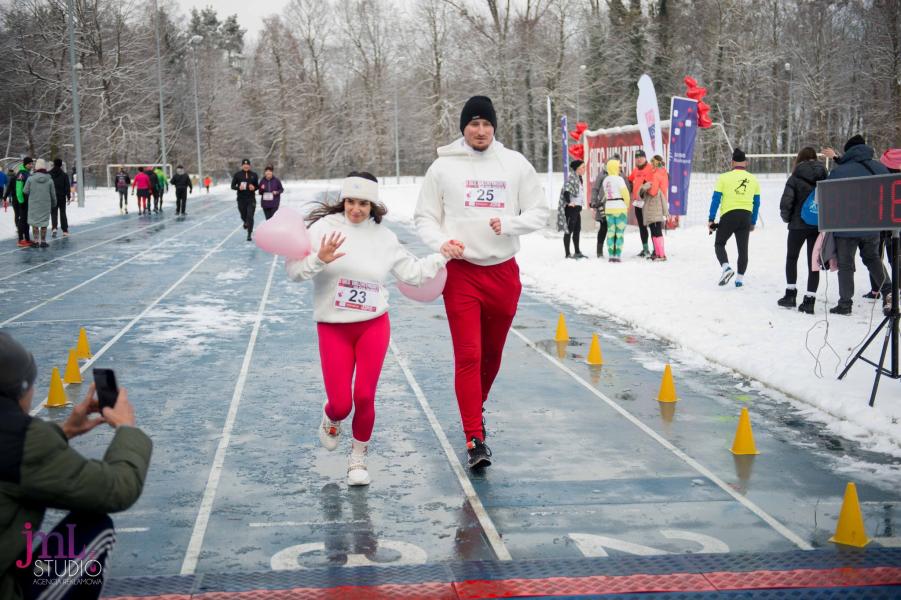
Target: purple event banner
(683, 131)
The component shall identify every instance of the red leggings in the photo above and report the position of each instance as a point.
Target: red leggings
(343, 348)
(480, 303)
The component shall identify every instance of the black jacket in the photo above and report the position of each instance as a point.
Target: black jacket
(181, 181)
(250, 178)
(797, 188)
(61, 183)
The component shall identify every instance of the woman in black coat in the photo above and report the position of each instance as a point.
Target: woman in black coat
(808, 171)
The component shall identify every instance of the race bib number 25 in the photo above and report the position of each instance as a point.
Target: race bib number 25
(485, 194)
(357, 295)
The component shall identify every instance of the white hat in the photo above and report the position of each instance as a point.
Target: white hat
(40, 164)
(360, 188)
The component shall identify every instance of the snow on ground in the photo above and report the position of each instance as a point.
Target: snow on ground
(740, 329)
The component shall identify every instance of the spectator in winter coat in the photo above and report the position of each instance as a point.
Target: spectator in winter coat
(3, 181)
(270, 192)
(41, 201)
(616, 204)
(160, 187)
(857, 161)
(182, 184)
(39, 470)
(570, 208)
(245, 182)
(597, 203)
(637, 178)
(207, 182)
(20, 205)
(803, 180)
(63, 197)
(122, 183)
(656, 208)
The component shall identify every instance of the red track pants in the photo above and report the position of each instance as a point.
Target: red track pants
(480, 303)
(343, 349)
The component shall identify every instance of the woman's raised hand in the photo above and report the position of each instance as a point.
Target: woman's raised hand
(330, 244)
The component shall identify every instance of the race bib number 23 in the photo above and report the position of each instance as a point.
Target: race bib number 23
(485, 194)
(357, 295)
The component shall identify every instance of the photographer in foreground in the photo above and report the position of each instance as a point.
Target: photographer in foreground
(38, 470)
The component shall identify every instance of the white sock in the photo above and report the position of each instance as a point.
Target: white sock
(791, 287)
(358, 447)
(739, 277)
(809, 295)
(726, 266)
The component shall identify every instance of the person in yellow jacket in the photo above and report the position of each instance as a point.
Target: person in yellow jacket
(737, 199)
(616, 203)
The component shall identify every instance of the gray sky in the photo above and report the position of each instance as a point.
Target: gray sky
(250, 14)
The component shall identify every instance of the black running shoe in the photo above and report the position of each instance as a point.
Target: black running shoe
(479, 454)
(872, 295)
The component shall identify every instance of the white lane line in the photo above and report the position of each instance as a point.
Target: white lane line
(86, 248)
(72, 235)
(307, 523)
(192, 555)
(694, 464)
(135, 320)
(132, 529)
(494, 538)
(109, 270)
(58, 321)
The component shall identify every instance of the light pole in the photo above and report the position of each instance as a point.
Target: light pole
(159, 78)
(579, 92)
(76, 111)
(396, 140)
(788, 143)
(193, 42)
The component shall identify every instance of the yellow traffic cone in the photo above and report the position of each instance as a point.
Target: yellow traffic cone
(744, 437)
(850, 530)
(562, 334)
(83, 349)
(73, 374)
(57, 395)
(595, 357)
(667, 391)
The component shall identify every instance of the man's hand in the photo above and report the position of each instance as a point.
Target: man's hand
(251, 187)
(328, 248)
(121, 414)
(753, 227)
(495, 223)
(452, 249)
(711, 227)
(79, 422)
(830, 153)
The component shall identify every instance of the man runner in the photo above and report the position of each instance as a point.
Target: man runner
(245, 182)
(477, 198)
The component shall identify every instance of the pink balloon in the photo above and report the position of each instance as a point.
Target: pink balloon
(284, 234)
(428, 291)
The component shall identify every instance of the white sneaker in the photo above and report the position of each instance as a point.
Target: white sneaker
(357, 473)
(329, 432)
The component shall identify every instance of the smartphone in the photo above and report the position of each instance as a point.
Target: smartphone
(107, 390)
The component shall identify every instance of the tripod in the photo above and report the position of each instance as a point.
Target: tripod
(890, 322)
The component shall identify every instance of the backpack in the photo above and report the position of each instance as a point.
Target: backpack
(810, 213)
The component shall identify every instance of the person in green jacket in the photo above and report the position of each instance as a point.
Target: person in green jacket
(160, 187)
(38, 470)
(20, 202)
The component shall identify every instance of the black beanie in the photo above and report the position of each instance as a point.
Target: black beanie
(576, 164)
(57, 162)
(17, 369)
(478, 107)
(857, 140)
(27, 160)
(738, 155)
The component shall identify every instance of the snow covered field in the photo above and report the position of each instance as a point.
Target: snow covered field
(742, 330)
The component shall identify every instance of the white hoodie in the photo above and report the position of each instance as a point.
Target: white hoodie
(464, 189)
(356, 281)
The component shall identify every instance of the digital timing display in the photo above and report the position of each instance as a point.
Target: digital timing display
(860, 203)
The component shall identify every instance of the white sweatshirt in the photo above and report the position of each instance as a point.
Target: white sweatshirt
(464, 189)
(352, 288)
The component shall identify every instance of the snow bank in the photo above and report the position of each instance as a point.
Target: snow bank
(741, 329)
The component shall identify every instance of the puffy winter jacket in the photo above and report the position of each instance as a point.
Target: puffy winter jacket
(41, 198)
(798, 187)
(181, 181)
(61, 183)
(857, 162)
(656, 208)
(248, 179)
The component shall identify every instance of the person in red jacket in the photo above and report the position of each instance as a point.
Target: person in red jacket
(144, 187)
(637, 178)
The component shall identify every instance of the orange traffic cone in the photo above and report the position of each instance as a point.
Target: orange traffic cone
(850, 530)
(57, 395)
(73, 374)
(595, 356)
(562, 334)
(83, 349)
(667, 391)
(744, 436)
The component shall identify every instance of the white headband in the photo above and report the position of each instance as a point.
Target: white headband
(360, 188)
